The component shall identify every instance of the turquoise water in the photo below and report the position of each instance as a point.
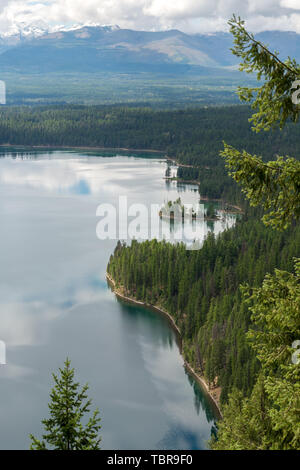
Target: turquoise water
(55, 302)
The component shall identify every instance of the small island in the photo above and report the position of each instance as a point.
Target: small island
(177, 210)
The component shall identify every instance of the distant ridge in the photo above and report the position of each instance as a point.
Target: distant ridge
(92, 48)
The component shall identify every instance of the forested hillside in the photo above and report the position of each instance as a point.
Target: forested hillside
(237, 299)
(201, 291)
(192, 136)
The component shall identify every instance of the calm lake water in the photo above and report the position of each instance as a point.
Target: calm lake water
(55, 302)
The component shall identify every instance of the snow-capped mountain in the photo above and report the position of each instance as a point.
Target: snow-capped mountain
(91, 47)
(22, 31)
(25, 30)
(74, 27)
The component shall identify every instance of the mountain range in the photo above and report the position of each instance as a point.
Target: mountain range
(95, 48)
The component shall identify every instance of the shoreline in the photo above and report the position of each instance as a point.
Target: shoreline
(143, 304)
(122, 149)
(184, 165)
(238, 210)
(68, 147)
(199, 379)
(210, 219)
(198, 183)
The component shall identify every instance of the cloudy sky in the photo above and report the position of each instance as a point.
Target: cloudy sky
(187, 15)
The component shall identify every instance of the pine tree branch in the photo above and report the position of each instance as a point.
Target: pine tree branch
(258, 43)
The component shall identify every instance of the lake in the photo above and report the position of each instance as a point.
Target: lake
(55, 302)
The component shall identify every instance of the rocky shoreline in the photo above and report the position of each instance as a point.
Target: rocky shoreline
(200, 380)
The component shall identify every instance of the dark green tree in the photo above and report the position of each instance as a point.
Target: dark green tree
(210, 211)
(64, 429)
(272, 99)
(269, 418)
(274, 185)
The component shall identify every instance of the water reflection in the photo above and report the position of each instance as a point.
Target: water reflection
(54, 302)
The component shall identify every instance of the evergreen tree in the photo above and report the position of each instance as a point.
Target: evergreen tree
(274, 185)
(270, 417)
(259, 384)
(272, 100)
(64, 429)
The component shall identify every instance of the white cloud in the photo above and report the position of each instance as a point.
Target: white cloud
(294, 4)
(188, 15)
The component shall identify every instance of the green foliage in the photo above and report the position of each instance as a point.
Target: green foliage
(200, 289)
(270, 418)
(273, 185)
(273, 98)
(276, 317)
(133, 89)
(211, 211)
(192, 136)
(245, 424)
(64, 429)
(275, 311)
